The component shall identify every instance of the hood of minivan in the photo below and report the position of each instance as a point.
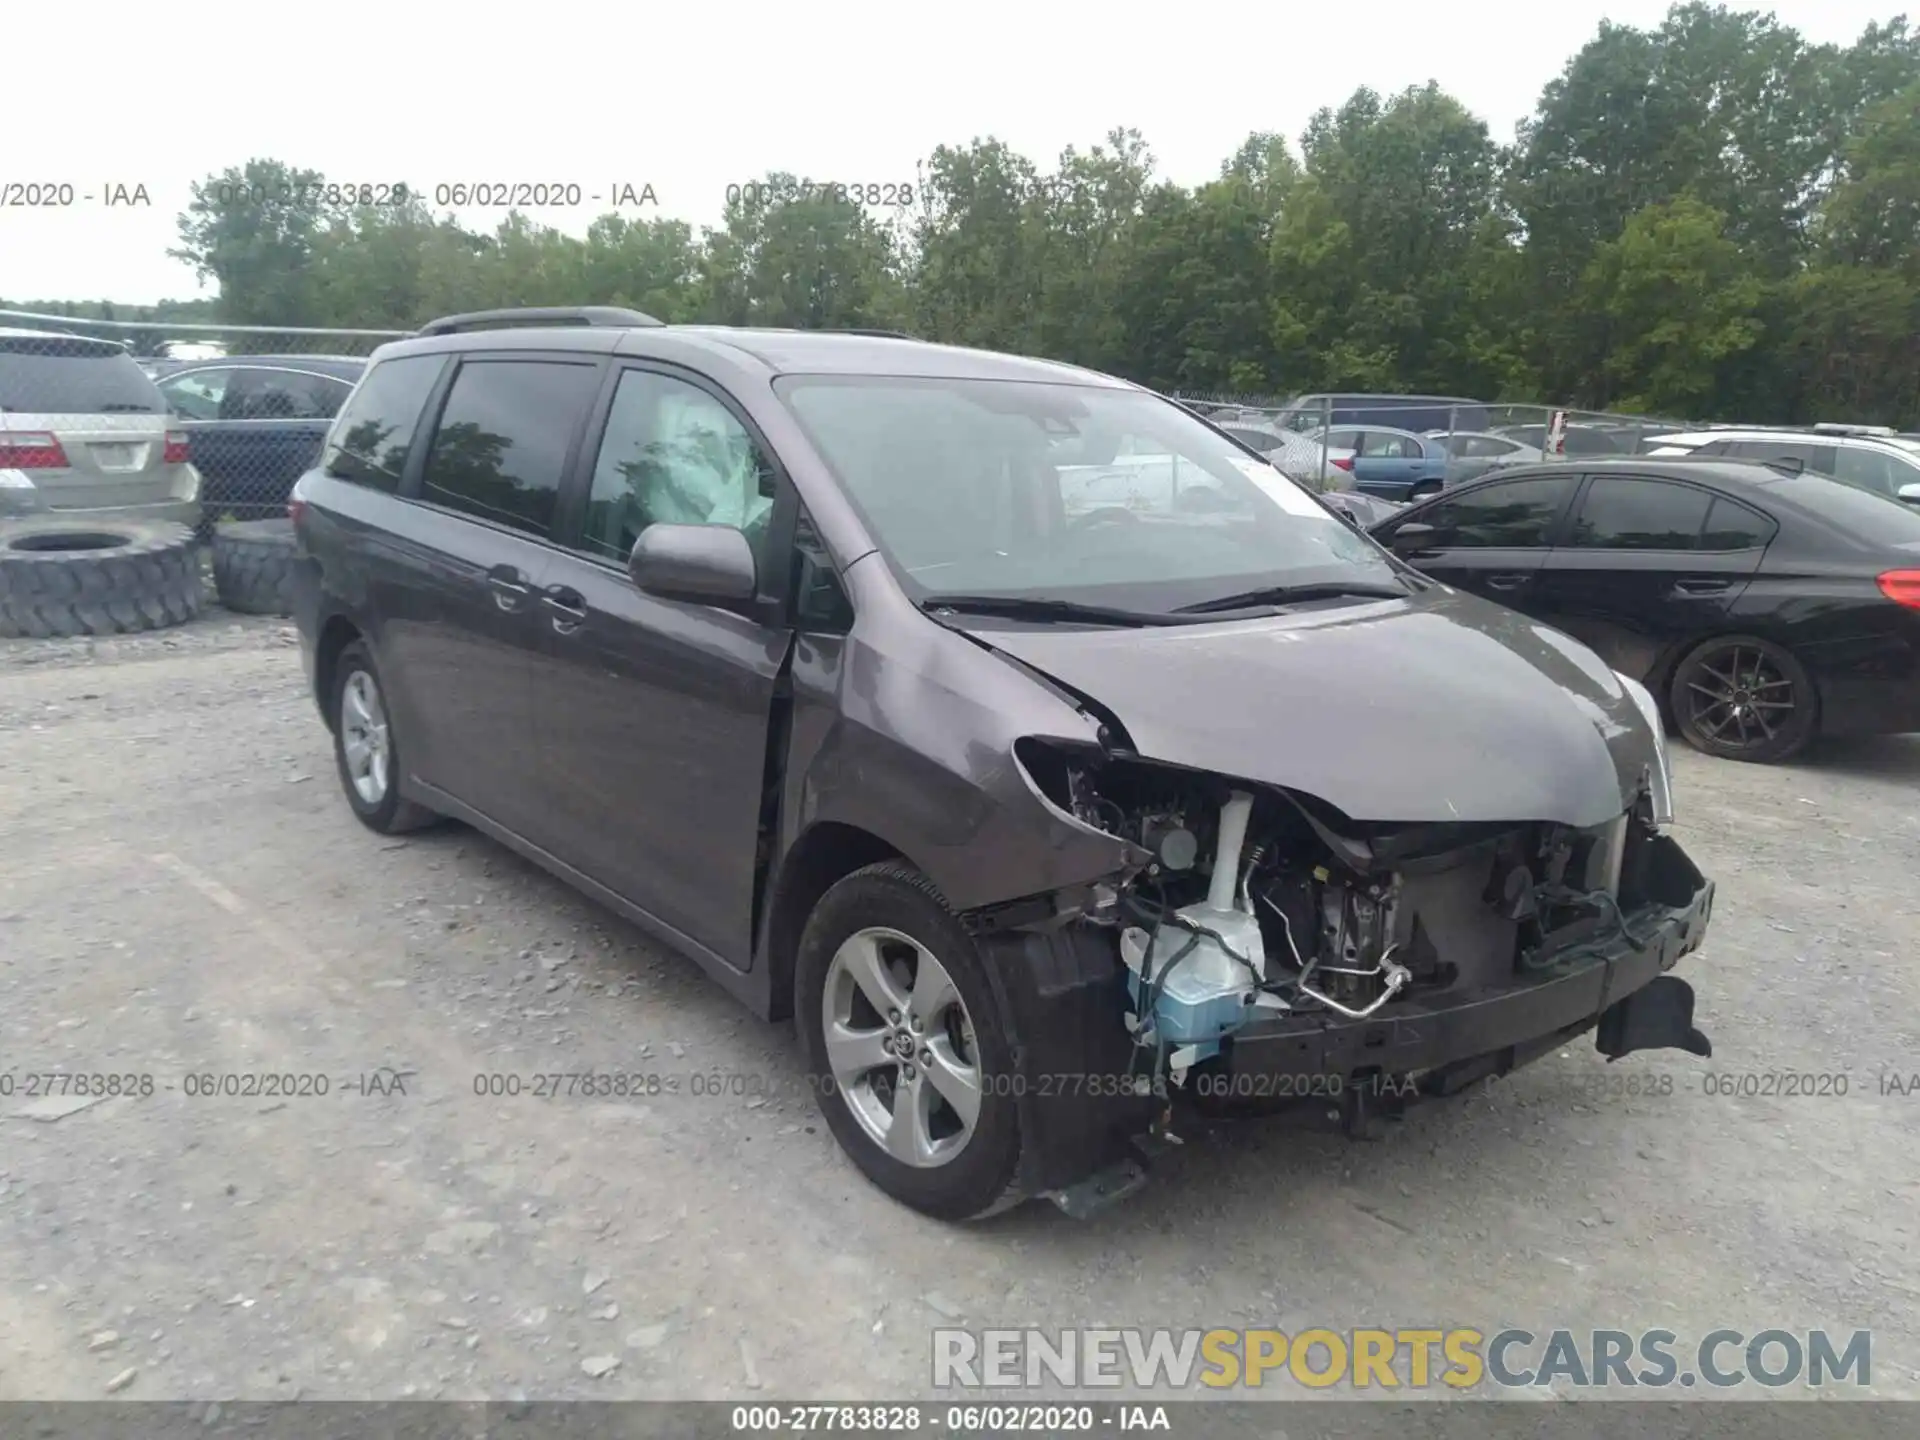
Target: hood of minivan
(1439, 708)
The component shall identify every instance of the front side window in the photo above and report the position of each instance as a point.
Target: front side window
(501, 445)
(1618, 513)
(673, 454)
(370, 440)
(196, 394)
(1089, 494)
(1512, 515)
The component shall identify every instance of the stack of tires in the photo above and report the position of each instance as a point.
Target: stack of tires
(60, 579)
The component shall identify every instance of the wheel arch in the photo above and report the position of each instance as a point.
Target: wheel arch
(336, 633)
(1659, 677)
(824, 854)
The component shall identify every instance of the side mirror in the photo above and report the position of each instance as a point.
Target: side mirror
(1414, 536)
(1909, 493)
(707, 564)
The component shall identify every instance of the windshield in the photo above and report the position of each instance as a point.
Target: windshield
(1078, 493)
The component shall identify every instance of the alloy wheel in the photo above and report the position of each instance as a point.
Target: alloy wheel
(364, 738)
(1739, 697)
(901, 1047)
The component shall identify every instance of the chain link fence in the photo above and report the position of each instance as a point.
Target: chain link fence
(199, 423)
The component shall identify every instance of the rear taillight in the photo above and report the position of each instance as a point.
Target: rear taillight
(1902, 587)
(1342, 462)
(176, 452)
(31, 450)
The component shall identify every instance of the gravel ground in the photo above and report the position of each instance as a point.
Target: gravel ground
(182, 890)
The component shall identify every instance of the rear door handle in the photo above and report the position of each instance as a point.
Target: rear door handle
(568, 605)
(1702, 586)
(1506, 582)
(509, 586)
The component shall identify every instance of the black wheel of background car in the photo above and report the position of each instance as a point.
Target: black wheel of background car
(59, 578)
(1424, 489)
(253, 566)
(904, 1041)
(1744, 698)
(365, 748)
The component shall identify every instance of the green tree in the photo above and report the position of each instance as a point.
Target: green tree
(978, 247)
(1377, 251)
(788, 255)
(1678, 301)
(252, 230)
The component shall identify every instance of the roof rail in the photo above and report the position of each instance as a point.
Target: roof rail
(1830, 428)
(883, 334)
(599, 315)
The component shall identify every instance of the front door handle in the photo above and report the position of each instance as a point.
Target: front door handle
(509, 586)
(1702, 586)
(1505, 582)
(568, 605)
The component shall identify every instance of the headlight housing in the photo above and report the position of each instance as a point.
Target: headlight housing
(1661, 780)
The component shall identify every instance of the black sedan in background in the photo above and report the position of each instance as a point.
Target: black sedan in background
(1763, 606)
(254, 423)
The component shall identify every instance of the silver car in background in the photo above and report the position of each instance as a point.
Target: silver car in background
(1312, 463)
(84, 435)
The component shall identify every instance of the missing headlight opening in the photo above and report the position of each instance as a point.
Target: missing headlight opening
(1260, 904)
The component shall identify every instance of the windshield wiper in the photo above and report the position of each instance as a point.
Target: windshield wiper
(1019, 607)
(1293, 594)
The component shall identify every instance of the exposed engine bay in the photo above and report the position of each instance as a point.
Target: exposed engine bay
(1259, 903)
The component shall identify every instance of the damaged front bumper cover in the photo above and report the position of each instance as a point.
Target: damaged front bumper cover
(1074, 1060)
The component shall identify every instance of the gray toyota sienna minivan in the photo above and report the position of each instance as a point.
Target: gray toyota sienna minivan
(1050, 758)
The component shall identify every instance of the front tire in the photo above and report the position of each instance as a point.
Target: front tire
(1743, 698)
(365, 750)
(904, 1041)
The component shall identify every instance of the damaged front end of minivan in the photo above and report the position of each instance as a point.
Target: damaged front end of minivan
(1257, 946)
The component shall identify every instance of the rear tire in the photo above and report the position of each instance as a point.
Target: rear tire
(1739, 697)
(365, 749)
(1424, 490)
(908, 1035)
(61, 578)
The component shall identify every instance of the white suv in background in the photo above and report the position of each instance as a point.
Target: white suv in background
(84, 435)
(1872, 458)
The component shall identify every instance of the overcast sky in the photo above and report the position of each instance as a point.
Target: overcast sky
(692, 98)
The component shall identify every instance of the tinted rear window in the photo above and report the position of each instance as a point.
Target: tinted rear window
(60, 377)
(370, 440)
